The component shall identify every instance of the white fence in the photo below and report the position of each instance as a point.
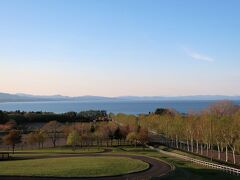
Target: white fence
(224, 168)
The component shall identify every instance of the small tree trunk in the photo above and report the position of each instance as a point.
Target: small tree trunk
(201, 149)
(207, 149)
(233, 154)
(197, 146)
(234, 157)
(221, 147)
(219, 153)
(192, 144)
(176, 142)
(226, 156)
(211, 150)
(188, 145)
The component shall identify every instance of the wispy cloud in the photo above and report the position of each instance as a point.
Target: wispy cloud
(198, 56)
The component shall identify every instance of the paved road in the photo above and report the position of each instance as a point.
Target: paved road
(156, 168)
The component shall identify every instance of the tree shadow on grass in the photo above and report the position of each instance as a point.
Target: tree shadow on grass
(184, 173)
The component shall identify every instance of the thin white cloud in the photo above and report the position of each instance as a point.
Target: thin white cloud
(198, 56)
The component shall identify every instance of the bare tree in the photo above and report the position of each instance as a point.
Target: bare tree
(53, 130)
(12, 138)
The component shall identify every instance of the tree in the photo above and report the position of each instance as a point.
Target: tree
(110, 129)
(3, 117)
(40, 137)
(53, 129)
(142, 136)
(124, 130)
(11, 124)
(30, 138)
(103, 133)
(12, 138)
(222, 112)
(73, 139)
(233, 135)
(163, 111)
(132, 137)
(99, 136)
(118, 134)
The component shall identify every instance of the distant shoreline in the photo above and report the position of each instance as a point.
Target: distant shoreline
(127, 106)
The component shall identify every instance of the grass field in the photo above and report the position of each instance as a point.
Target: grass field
(184, 170)
(77, 166)
(94, 166)
(63, 150)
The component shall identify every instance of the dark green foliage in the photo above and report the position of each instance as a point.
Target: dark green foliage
(92, 129)
(91, 115)
(163, 111)
(118, 134)
(3, 117)
(29, 117)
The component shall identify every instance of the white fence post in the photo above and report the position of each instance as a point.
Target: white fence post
(224, 168)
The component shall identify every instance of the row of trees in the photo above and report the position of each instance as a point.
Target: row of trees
(77, 134)
(106, 132)
(215, 128)
(21, 117)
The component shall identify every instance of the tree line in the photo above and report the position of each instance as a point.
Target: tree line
(77, 134)
(21, 117)
(215, 128)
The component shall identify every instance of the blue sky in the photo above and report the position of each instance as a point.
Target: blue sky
(124, 47)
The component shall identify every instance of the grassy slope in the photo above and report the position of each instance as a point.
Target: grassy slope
(81, 166)
(197, 156)
(184, 170)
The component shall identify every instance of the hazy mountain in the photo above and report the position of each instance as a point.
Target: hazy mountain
(37, 96)
(21, 97)
(5, 97)
(92, 98)
(167, 98)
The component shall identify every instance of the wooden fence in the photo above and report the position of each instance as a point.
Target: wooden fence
(4, 155)
(224, 168)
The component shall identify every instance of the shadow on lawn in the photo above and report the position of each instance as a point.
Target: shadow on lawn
(184, 173)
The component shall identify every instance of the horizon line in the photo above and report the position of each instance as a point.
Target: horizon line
(167, 96)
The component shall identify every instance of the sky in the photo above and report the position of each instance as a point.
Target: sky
(120, 47)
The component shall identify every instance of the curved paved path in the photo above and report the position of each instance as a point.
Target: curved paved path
(156, 168)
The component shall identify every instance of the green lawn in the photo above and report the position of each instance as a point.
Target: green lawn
(77, 166)
(105, 166)
(63, 150)
(184, 170)
(187, 170)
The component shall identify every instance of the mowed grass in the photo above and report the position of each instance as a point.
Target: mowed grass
(73, 166)
(63, 150)
(184, 170)
(56, 151)
(187, 171)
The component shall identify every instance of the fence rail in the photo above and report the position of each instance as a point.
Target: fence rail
(4, 155)
(224, 168)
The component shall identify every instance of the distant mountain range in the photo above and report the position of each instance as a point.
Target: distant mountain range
(20, 97)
